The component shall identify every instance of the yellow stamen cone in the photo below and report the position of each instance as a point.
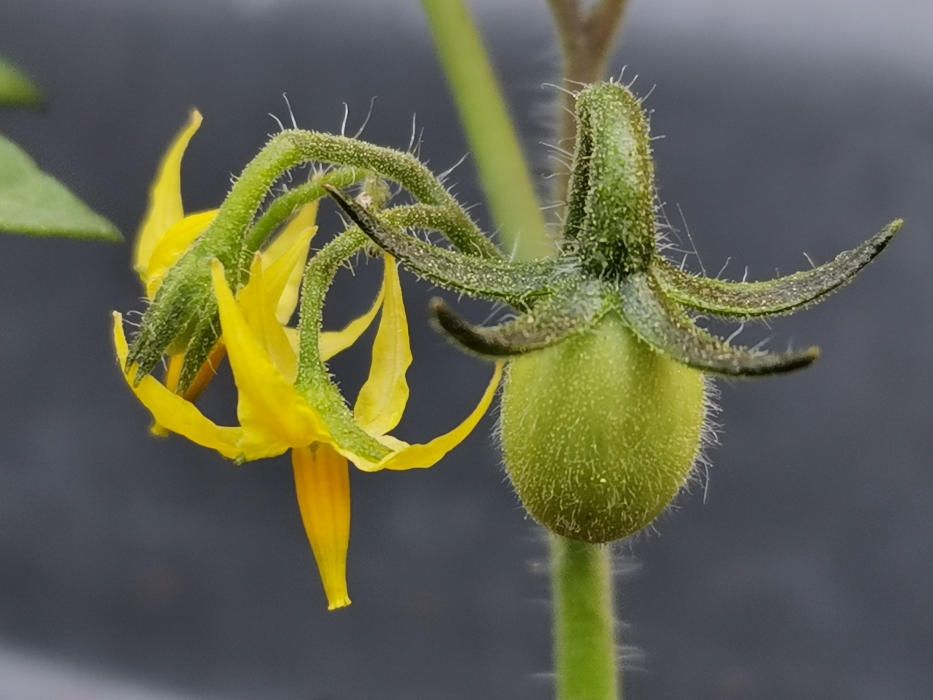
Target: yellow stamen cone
(322, 483)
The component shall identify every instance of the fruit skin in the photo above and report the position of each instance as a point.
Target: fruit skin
(600, 432)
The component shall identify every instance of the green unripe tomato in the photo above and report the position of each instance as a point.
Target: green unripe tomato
(600, 432)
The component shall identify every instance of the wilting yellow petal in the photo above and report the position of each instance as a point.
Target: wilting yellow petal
(301, 227)
(171, 246)
(273, 415)
(283, 268)
(172, 375)
(332, 343)
(173, 412)
(382, 399)
(428, 454)
(165, 204)
(257, 302)
(204, 377)
(322, 482)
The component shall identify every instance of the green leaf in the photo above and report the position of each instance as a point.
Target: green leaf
(35, 204)
(16, 90)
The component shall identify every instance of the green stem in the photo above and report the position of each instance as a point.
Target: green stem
(284, 206)
(584, 624)
(501, 164)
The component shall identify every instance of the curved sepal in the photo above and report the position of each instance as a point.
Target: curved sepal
(670, 331)
(204, 336)
(514, 282)
(568, 312)
(773, 297)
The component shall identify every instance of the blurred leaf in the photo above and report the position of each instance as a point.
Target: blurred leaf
(35, 204)
(16, 90)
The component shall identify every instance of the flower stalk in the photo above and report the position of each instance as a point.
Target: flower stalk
(584, 627)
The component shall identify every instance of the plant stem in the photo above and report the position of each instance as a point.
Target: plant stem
(502, 168)
(584, 623)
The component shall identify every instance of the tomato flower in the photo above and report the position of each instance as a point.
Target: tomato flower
(274, 416)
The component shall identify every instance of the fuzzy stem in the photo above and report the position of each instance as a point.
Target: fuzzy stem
(501, 164)
(584, 623)
(282, 208)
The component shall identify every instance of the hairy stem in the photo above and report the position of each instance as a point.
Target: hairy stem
(502, 168)
(282, 208)
(293, 148)
(584, 626)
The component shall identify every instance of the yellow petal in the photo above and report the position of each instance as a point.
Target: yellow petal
(283, 268)
(272, 413)
(257, 302)
(204, 377)
(427, 455)
(322, 482)
(165, 204)
(382, 400)
(332, 343)
(172, 375)
(301, 227)
(171, 411)
(171, 246)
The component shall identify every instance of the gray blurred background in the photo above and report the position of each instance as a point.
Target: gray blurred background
(135, 567)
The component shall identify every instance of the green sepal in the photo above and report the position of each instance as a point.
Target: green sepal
(773, 297)
(610, 211)
(33, 203)
(314, 379)
(515, 282)
(569, 311)
(201, 342)
(16, 89)
(184, 308)
(669, 331)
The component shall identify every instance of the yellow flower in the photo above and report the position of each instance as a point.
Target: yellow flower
(167, 233)
(274, 416)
